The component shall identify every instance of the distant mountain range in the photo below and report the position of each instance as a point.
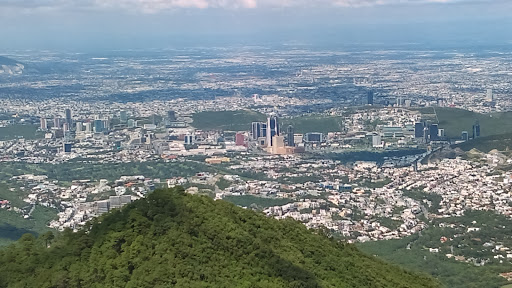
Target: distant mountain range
(10, 67)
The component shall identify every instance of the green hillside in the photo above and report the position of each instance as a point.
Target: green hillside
(454, 121)
(171, 239)
(226, 120)
(501, 142)
(241, 121)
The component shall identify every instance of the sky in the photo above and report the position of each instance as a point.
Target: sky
(143, 24)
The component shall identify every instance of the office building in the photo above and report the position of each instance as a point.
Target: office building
(67, 148)
(189, 139)
(239, 139)
(69, 121)
(131, 123)
(263, 132)
(290, 138)
(79, 127)
(88, 127)
(98, 126)
(465, 136)
(123, 116)
(369, 98)
(278, 146)
(43, 124)
(314, 138)
(476, 130)
(171, 116)
(256, 130)
(106, 124)
(418, 130)
(376, 140)
(66, 127)
(490, 95)
(434, 132)
(272, 129)
(56, 122)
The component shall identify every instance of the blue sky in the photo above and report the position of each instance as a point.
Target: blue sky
(118, 24)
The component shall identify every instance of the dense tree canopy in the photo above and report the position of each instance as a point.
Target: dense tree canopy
(171, 239)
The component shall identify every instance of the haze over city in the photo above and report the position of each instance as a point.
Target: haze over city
(100, 25)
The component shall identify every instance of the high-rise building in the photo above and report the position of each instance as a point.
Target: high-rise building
(88, 127)
(290, 132)
(376, 140)
(106, 124)
(418, 130)
(369, 99)
(66, 127)
(67, 147)
(189, 139)
(123, 116)
(43, 123)
(476, 130)
(256, 130)
(98, 126)
(434, 132)
(272, 129)
(68, 118)
(171, 116)
(131, 123)
(239, 139)
(490, 95)
(79, 127)
(56, 122)
(263, 132)
(465, 135)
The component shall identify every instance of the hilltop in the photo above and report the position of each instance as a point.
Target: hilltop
(171, 239)
(10, 66)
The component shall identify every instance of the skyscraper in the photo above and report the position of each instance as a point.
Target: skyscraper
(98, 126)
(171, 116)
(476, 130)
(290, 132)
(56, 122)
(256, 130)
(272, 129)
(418, 130)
(369, 99)
(123, 116)
(43, 123)
(79, 127)
(68, 118)
(434, 132)
(490, 96)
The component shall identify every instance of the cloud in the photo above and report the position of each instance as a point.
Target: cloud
(155, 6)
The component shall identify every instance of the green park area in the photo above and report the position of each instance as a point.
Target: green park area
(239, 120)
(28, 132)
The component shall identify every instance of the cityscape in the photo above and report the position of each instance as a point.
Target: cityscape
(352, 151)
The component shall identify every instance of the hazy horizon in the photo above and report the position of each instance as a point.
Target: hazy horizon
(144, 24)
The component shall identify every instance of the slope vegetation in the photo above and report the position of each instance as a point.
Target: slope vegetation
(171, 239)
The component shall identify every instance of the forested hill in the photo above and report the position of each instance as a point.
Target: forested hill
(171, 239)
